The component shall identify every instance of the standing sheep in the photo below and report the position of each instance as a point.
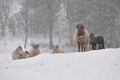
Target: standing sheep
(35, 50)
(16, 53)
(56, 49)
(100, 42)
(93, 41)
(81, 38)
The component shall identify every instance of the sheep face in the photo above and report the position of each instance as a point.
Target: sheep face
(55, 47)
(80, 36)
(35, 46)
(91, 36)
(19, 48)
(80, 27)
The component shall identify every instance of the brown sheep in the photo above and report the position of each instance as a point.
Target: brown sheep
(35, 50)
(16, 53)
(81, 38)
(56, 49)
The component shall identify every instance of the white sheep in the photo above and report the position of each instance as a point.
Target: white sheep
(16, 53)
(56, 49)
(35, 50)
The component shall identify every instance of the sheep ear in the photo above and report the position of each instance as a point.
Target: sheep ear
(38, 45)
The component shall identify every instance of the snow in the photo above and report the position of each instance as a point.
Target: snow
(91, 65)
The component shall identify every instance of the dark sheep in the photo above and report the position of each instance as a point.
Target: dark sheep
(100, 41)
(93, 41)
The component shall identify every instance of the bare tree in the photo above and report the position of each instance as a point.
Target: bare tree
(4, 14)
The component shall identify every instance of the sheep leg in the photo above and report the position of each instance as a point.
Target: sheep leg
(92, 47)
(85, 48)
(103, 46)
(78, 47)
(95, 47)
(99, 46)
(82, 47)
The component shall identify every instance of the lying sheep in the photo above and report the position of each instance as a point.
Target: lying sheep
(16, 53)
(56, 49)
(35, 50)
(23, 55)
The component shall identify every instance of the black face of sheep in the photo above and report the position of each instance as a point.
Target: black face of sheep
(100, 41)
(93, 41)
(91, 36)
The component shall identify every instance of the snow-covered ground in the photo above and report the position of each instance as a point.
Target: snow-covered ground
(92, 65)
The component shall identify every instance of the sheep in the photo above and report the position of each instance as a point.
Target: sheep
(93, 41)
(56, 49)
(81, 37)
(35, 50)
(100, 41)
(23, 55)
(16, 53)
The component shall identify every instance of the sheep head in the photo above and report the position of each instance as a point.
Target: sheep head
(35, 46)
(55, 47)
(19, 48)
(80, 27)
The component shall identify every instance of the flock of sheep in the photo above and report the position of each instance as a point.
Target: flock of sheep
(81, 38)
(86, 42)
(20, 54)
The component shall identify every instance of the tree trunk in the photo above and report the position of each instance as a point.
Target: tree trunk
(25, 42)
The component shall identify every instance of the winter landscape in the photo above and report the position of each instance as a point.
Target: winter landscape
(92, 65)
(54, 22)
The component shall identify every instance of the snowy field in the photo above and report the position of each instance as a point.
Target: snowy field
(92, 65)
